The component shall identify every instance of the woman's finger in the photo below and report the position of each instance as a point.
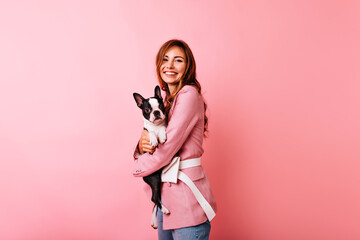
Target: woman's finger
(145, 143)
(145, 135)
(148, 146)
(147, 149)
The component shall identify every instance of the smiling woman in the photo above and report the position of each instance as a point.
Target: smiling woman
(186, 193)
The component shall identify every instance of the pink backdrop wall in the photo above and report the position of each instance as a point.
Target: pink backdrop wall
(282, 82)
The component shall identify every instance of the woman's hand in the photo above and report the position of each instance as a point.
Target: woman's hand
(144, 143)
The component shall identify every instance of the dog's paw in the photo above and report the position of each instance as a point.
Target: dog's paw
(153, 218)
(165, 210)
(154, 225)
(153, 140)
(162, 136)
(162, 139)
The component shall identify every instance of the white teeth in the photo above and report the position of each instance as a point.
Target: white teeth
(169, 73)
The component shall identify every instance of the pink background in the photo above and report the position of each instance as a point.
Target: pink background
(282, 82)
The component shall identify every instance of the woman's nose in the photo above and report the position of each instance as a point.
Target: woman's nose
(170, 64)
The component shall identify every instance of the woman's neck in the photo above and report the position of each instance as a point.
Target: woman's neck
(172, 88)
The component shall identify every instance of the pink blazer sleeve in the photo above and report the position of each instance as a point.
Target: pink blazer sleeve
(184, 117)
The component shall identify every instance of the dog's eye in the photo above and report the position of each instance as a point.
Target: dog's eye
(147, 110)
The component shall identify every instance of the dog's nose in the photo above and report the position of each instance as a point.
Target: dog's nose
(156, 113)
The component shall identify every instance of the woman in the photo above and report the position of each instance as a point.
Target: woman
(190, 209)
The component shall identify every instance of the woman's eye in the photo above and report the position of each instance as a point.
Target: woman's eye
(164, 59)
(178, 60)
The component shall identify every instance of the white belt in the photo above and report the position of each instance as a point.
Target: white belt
(171, 173)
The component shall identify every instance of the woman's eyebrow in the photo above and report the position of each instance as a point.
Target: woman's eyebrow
(175, 56)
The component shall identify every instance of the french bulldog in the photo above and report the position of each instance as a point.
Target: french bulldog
(155, 121)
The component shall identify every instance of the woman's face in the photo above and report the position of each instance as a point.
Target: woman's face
(173, 66)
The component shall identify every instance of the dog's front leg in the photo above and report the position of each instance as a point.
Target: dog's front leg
(162, 135)
(153, 139)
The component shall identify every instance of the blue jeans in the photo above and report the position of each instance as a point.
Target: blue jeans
(198, 232)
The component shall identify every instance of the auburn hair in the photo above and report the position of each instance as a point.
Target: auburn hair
(188, 78)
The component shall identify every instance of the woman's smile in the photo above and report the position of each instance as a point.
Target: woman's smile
(173, 66)
(170, 73)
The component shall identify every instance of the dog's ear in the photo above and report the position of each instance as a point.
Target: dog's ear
(157, 92)
(139, 99)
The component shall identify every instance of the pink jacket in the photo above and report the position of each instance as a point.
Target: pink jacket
(184, 139)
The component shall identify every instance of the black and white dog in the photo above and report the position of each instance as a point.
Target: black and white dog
(153, 111)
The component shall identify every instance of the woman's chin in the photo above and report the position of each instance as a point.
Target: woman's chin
(170, 80)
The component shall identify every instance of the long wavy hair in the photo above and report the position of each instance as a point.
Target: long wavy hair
(188, 78)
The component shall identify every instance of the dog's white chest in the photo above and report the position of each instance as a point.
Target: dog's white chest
(155, 132)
